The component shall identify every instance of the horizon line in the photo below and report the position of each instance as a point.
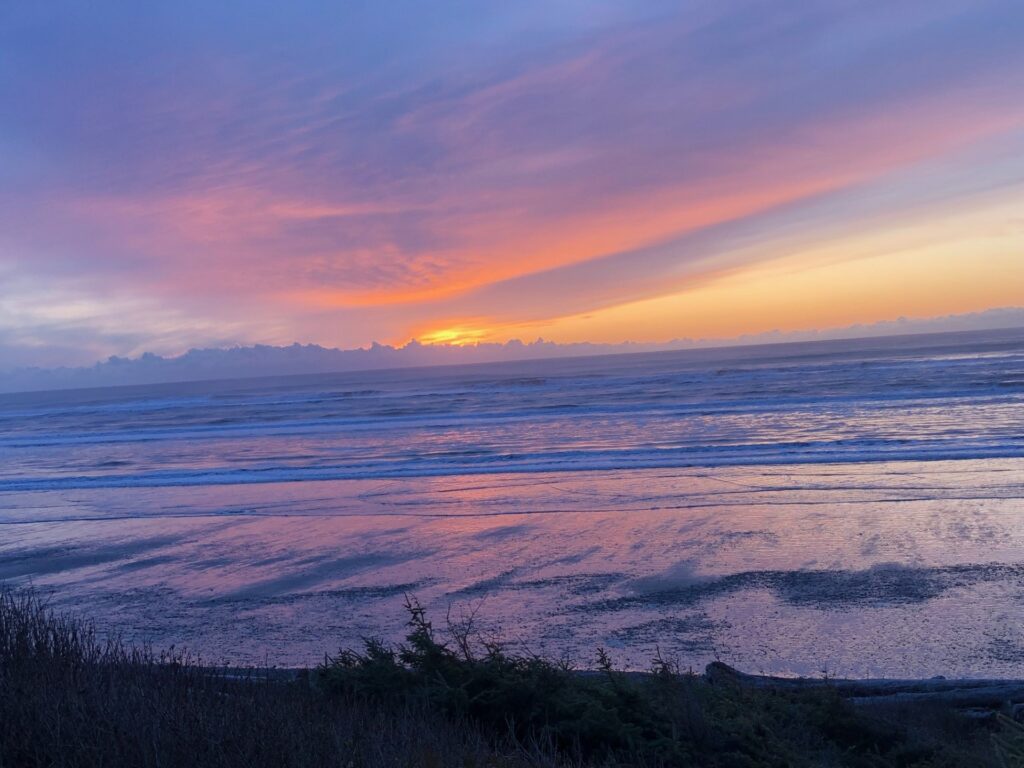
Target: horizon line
(892, 331)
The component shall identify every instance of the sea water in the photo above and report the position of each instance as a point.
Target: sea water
(854, 507)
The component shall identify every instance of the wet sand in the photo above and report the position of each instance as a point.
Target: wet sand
(908, 569)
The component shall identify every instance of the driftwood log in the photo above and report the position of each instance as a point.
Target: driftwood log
(1006, 695)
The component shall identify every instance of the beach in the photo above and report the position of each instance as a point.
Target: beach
(792, 510)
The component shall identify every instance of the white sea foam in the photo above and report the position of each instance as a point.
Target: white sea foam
(955, 401)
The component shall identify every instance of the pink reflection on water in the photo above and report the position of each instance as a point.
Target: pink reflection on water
(898, 569)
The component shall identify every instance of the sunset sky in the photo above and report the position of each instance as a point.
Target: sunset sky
(191, 174)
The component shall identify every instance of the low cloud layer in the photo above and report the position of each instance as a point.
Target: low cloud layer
(263, 360)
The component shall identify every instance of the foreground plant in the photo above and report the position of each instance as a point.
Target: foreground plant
(664, 717)
(71, 699)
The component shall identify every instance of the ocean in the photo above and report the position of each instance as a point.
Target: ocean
(851, 507)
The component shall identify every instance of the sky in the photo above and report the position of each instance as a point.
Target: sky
(194, 174)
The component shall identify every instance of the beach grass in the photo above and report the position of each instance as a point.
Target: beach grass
(447, 697)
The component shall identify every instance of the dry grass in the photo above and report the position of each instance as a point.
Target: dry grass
(69, 699)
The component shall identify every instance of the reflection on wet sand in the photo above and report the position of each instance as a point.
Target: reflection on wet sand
(902, 569)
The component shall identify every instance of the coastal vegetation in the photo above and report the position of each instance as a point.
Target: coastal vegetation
(70, 697)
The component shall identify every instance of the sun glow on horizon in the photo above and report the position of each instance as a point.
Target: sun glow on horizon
(455, 336)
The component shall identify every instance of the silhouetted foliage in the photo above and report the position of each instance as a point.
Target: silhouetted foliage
(70, 699)
(663, 717)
